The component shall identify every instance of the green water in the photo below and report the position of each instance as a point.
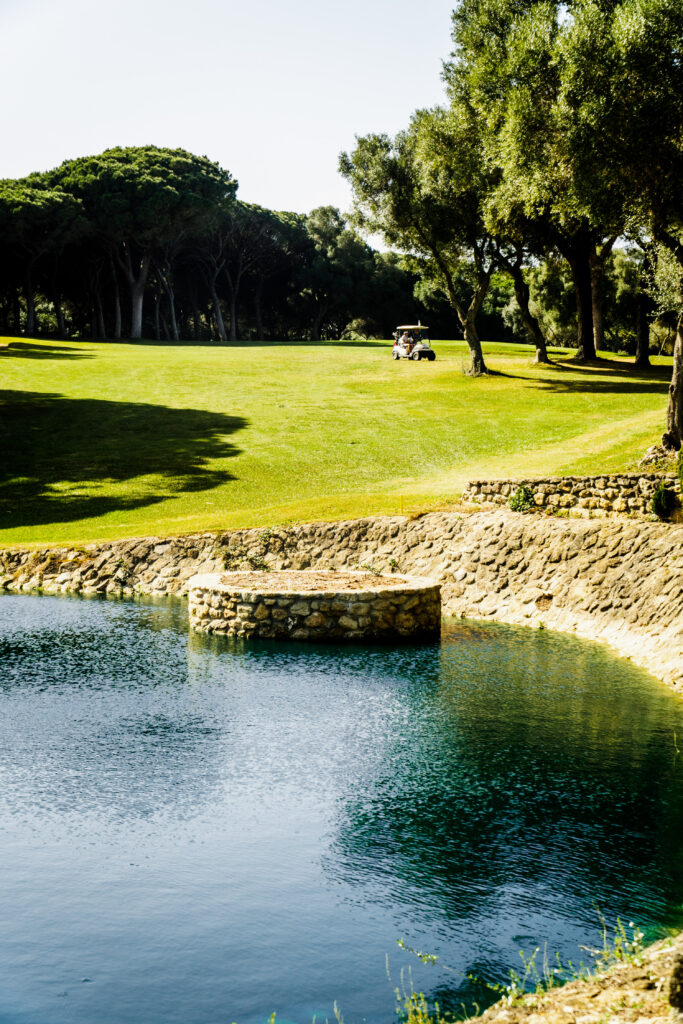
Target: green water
(197, 830)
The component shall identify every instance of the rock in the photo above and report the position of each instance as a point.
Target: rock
(676, 984)
(315, 620)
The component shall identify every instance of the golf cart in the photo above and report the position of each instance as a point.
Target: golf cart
(411, 341)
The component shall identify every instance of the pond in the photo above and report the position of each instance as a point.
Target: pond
(198, 830)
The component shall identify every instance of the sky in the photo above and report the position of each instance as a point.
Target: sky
(273, 91)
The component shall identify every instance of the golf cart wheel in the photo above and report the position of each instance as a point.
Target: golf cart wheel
(431, 357)
(394, 354)
(416, 355)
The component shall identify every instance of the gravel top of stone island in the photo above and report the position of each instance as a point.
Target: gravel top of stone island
(288, 581)
(312, 580)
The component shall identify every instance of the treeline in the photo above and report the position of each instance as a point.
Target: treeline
(562, 139)
(148, 242)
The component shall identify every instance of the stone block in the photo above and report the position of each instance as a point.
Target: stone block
(315, 620)
(300, 608)
(405, 621)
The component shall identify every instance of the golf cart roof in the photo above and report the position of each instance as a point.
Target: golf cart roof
(412, 327)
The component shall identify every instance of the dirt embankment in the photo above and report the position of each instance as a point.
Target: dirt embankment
(635, 992)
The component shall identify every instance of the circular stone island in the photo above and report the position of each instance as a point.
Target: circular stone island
(314, 605)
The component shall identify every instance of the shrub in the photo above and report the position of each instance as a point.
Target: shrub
(522, 500)
(663, 501)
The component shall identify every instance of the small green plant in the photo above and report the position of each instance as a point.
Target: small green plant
(413, 1009)
(522, 500)
(426, 958)
(663, 501)
(372, 569)
(394, 566)
(411, 1006)
(534, 978)
(619, 948)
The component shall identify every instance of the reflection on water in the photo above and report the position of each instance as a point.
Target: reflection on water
(199, 829)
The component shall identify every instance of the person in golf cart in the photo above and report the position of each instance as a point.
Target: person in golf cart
(411, 341)
(407, 341)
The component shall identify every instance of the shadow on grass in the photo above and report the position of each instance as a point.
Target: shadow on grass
(229, 345)
(40, 350)
(600, 377)
(606, 377)
(49, 442)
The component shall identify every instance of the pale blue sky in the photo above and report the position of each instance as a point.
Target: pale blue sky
(272, 90)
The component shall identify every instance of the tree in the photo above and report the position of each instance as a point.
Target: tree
(35, 223)
(512, 258)
(424, 192)
(142, 199)
(509, 59)
(623, 93)
(336, 267)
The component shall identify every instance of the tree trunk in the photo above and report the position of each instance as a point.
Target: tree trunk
(597, 269)
(137, 294)
(59, 313)
(101, 330)
(598, 261)
(137, 283)
(673, 438)
(218, 313)
(317, 323)
(232, 304)
(470, 325)
(171, 310)
(16, 312)
(30, 305)
(579, 261)
(233, 289)
(529, 320)
(474, 344)
(468, 317)
(167, 281)
(257, 309)
(643, 331)
(157, 324)
(117, 300)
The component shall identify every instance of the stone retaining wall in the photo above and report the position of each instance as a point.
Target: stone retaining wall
(385, 607)
(607, 579)
(584, 495)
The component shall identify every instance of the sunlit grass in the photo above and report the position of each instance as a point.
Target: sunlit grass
(106, 440)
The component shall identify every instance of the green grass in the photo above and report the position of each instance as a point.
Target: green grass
(104, 440)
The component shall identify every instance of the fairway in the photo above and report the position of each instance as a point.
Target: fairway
(107, 440)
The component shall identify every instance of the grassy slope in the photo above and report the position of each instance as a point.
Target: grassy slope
(107, 440)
